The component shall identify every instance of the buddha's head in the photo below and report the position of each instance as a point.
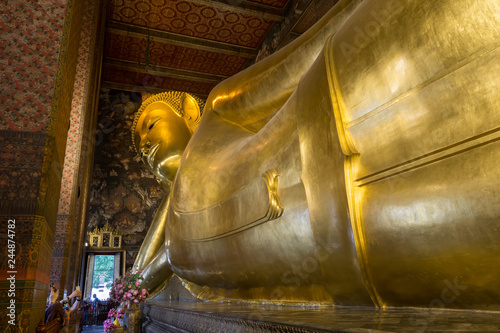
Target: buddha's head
(162, 129)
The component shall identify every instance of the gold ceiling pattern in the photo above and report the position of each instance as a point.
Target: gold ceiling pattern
(191, 19)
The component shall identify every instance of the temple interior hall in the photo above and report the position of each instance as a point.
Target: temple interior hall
(340, 175)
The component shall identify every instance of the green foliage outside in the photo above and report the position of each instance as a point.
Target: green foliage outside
(103, 266)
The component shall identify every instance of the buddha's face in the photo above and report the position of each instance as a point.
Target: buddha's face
(162, 137)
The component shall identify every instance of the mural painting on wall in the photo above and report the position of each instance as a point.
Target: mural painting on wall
(130, 259)
(124, 193)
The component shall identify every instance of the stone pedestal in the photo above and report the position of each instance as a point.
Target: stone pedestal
(174, 309)
(169, 318)
(187, 316)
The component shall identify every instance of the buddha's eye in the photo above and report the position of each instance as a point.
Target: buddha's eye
(153, 123)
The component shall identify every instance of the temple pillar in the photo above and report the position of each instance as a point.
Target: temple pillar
(42, 42)
(67, 235)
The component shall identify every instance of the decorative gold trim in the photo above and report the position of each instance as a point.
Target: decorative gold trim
(275, 209)
(119, 241)
(99, 234)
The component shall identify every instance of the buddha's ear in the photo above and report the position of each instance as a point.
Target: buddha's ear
(191, 110)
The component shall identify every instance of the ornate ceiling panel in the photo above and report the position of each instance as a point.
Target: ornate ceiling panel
(194, 44)
(173, 56)
(192, 19)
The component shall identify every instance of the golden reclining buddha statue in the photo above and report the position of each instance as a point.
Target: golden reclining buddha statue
(359, 165)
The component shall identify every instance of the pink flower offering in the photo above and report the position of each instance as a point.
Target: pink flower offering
(128, 288)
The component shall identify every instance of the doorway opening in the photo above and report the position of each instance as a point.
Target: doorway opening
(102, 270)
(103, 277)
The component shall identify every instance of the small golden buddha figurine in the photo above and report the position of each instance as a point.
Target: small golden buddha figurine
(356, 166)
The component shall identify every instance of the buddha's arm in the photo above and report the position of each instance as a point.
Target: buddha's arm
(155, 236)
(257, 92)
(157, 272)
